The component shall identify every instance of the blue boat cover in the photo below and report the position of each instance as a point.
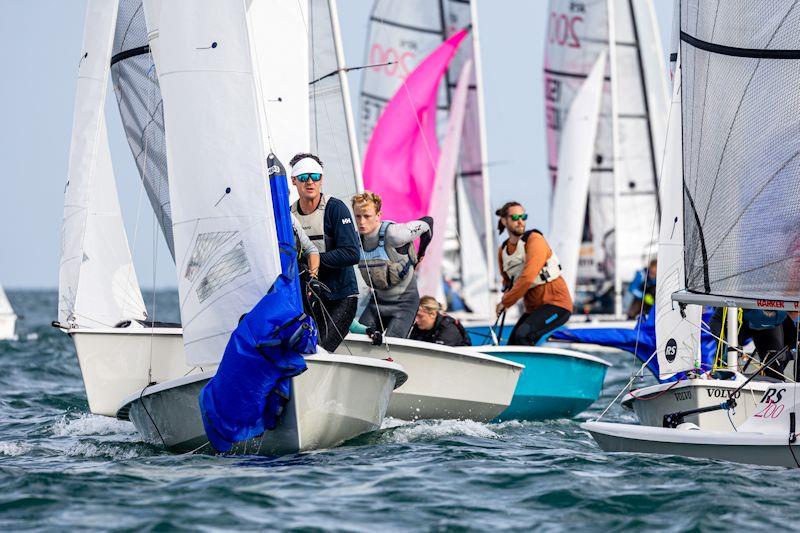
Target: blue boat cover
(640, 341)
(253, 382)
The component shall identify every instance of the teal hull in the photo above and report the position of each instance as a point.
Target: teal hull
(553, 384)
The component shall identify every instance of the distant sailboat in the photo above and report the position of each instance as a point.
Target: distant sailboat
(8, 318)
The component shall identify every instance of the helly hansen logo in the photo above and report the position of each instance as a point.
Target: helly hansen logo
(347, 221)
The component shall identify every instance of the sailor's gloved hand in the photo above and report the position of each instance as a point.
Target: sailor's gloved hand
(376, 336)
(425, 238)
(317, 288)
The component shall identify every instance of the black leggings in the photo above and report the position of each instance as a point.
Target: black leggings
(534, 325)
(333, 318)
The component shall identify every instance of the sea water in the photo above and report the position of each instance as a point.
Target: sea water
(62, 468)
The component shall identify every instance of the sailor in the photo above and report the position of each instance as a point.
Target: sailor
(388, 259)
(642, 290)
(433, 325)
(530, 272)
(308, 259)
(329, 225)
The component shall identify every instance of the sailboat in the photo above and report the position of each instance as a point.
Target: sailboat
(8, 318)
(431, 47)
(605, 174)
(736, 176)
(125, 355)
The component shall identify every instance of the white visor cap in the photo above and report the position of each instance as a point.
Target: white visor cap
(306, 166)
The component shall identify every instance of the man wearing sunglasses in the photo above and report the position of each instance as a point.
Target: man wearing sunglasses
(531, 272)
(329, 225)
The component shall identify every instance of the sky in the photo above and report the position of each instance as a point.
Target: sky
(37, 90)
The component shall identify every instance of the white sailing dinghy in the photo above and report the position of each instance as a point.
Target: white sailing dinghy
(604, 175)
(8, 318)
(738, 182)
(225, 239)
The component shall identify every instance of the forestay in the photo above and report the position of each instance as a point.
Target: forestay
(223, 223)
(332, 127)
(741, 152)
(138, 94)
(97, 281)
(577, 32)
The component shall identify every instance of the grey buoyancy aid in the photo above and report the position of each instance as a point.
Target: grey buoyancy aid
(514, 263)
(313, 223)
(388, 269)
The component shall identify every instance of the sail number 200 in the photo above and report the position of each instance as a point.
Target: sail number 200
(562, 28)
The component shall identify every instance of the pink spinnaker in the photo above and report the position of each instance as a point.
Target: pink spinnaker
(403, 152)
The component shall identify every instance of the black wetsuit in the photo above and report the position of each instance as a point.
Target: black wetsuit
(446, 330)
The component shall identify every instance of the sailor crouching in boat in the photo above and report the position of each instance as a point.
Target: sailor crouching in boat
(328, 223)
(388, 260)
(530, 271)
(432, 324)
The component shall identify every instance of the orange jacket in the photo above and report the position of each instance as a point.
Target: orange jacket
(537, 252)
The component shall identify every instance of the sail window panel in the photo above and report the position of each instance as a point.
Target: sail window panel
(741, 153)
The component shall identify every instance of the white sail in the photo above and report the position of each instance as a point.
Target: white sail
(5, 305)
(580, 127)
(429, 272)
(225, 242)
(279, 52)
(97, 282)
(332, 127)
(677, 338)
(577, 31)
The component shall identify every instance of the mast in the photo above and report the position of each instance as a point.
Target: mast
(487, 215)
(348, 109)
(612, 58)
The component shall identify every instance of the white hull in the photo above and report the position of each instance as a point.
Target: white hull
(7, 323)
(742, 447)
(443, 382)
(651, 403)
(336, 399)
(117, 362)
